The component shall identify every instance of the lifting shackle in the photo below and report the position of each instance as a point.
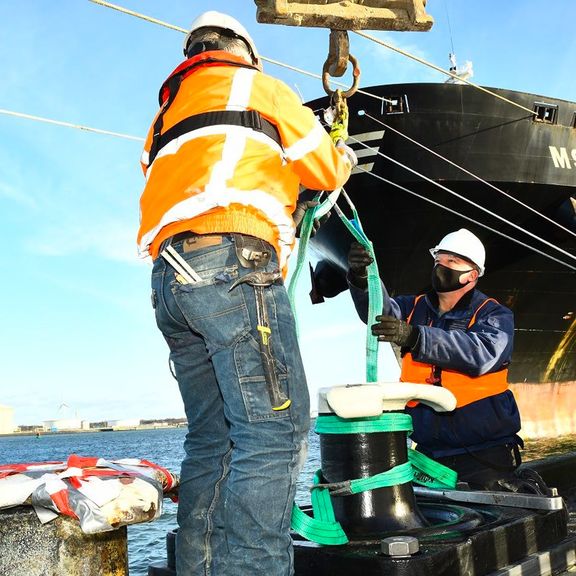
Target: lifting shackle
(337, 62)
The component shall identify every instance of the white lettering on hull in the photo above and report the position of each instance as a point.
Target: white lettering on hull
(562, 157)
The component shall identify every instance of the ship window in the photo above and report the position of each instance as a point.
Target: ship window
(545, 112)
(395, 105)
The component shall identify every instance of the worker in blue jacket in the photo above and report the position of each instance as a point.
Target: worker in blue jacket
(456, 337)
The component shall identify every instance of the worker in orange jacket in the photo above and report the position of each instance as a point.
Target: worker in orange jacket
(224, 160)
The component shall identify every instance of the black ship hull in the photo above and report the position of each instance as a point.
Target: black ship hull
(532, 160)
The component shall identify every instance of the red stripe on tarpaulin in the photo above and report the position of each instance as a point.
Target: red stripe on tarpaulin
(109, 472)
(8, 469)
(89, 467)
(75, 481)
(75, 461)
(167, 474)
(61, 501)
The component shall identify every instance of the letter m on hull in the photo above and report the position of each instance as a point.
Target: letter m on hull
(560, 157)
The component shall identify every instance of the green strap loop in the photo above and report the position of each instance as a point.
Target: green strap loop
(323, 528)
(328, 533)
(375, 296)
(305, 232)
(431, 473)
(392, 422)
(397, 475)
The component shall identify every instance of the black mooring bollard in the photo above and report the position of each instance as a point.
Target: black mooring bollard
(374, 512)
(167, 568)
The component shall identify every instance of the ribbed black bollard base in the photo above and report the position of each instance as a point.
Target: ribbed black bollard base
(507, 536)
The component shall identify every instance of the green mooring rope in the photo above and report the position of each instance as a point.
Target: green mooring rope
(323, 527)
(375, 297)
(305, 233)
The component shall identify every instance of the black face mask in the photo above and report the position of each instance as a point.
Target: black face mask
(445, 279)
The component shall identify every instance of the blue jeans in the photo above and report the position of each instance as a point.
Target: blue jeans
(238, 478)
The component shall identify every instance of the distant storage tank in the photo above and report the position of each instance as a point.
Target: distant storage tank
(6, 420)
(63, 424)
(124, 423)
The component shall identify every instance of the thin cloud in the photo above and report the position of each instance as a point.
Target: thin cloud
(109, 239)
(16, 195)
(382, 61)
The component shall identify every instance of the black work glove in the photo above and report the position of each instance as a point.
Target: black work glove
(390, 329)
(358, 260)
(525, 480)
(298, 216)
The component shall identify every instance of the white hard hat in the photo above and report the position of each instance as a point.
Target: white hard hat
(213, 19)
(465, 244)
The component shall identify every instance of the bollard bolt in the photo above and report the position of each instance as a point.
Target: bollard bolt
(399, 546)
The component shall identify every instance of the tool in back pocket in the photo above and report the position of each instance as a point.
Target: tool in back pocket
(260, 280)
(185, 273)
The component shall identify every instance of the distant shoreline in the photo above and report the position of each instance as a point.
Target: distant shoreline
(93, 430)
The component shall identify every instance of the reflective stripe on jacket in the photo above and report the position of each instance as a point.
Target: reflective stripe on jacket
(227, 178)
(465, 388)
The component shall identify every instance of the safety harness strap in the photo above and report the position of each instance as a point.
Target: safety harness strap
(246, 118)
(170, 89)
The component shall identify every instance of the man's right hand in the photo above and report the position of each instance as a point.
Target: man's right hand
(358, 261)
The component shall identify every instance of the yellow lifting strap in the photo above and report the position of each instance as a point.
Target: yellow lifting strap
(339, 129)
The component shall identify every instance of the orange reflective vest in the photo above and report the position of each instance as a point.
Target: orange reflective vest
(224, 178)
(466, 389)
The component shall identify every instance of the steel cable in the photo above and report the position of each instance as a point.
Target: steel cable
(469, 173)
(317, 76)
(469, 202)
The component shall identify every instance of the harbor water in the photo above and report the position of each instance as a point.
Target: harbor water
(146, 542)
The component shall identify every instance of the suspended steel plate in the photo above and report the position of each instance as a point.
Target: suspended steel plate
(400, 15)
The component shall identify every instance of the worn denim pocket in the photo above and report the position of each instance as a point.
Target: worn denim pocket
(211, 309)
(253, 387)
(219, 315)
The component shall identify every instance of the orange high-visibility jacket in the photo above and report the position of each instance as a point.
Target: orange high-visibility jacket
(466, 389)
(229, 178)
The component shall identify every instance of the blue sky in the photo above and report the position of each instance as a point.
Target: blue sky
(76, 323)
